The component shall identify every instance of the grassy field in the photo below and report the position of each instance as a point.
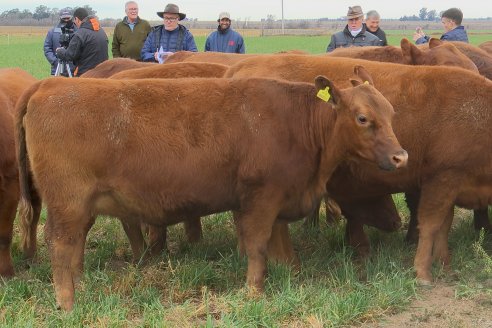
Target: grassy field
(203, 284)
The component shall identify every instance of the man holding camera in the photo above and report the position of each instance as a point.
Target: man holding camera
(88, 46)
(52, 41)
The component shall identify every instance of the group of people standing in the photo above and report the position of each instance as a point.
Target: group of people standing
(134, 37)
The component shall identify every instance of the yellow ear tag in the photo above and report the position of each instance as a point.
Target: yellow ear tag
(366, 82)
(323, 94)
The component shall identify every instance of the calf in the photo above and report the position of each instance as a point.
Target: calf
(176, 70)
(436, 53)
(110, 67)
(157, 152)
(227, 59)
(13, 81)
(447, 134)
(481, 58)
(486, 46)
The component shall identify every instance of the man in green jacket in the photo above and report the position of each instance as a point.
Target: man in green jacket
(130, 34)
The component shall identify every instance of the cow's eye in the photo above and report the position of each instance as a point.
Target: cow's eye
(361, 119)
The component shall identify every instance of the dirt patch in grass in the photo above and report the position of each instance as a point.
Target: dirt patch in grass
(439, 307)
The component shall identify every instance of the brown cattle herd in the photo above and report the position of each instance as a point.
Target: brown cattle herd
(267, 137)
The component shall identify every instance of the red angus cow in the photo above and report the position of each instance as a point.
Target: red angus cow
(443, 119)
(176, 70)
(156, 151)
(481, 58)
(435, 53)
(217, 57)
(110, 67)
(207, 57)
(13, 81)
(486, 46)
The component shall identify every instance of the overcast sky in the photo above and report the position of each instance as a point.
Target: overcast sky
(258, 9)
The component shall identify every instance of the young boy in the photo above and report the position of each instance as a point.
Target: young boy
(451, 19)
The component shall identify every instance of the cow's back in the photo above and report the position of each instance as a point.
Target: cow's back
(174, 70)
(13, 81)
(110, 67)
(481, 58)
(208, 57)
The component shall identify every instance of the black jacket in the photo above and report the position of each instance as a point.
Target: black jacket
(380, 34)
(88, 46)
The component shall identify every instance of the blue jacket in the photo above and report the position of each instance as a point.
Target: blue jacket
(225, 41)
(51, 42)
(456, 34)
(159, 36)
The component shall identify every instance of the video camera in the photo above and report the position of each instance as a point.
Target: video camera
(66, 34)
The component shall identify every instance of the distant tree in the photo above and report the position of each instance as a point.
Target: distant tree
(41, 12)
(423, 13)
(409, 18)
(12, 13)
(432, 15)
(270, 21)
(25, 14)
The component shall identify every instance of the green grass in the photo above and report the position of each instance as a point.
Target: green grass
(203, 284)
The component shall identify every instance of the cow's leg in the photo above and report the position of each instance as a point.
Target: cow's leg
(481, 219)
(193, 229)
(332, 211)
(312, 220)
(29, 245)
(157, 239)
(63, 233)
(240, 240)
(135, 237)
(8, 206)
(356, 237)
(412, 200)
(441, 250)
(255, 228)
(79, 251)
(435, 204)
(280, 248)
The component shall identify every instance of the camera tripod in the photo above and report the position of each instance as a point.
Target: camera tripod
(62, 67)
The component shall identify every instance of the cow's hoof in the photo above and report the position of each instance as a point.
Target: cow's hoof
(254, 292)
(424, 283)
(7, 273)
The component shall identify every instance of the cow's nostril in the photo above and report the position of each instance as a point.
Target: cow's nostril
(401, 159)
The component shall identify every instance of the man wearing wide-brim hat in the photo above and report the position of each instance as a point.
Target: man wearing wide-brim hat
(354, 34)
(168, 37)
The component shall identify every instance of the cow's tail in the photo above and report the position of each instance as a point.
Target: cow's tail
(27, 192)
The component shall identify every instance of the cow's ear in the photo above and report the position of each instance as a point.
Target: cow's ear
(433, 42)
(363, 74)
(409, 52)
(327, 90)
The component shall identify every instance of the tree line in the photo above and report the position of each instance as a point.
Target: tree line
(40, 12)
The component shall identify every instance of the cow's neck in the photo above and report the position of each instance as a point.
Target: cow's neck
(324, 137)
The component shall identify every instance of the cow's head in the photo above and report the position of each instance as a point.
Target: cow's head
(364, 118)
(379, 212)
(438, 53)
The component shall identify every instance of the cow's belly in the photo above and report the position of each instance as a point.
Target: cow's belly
(159, 208)
(476, 195)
